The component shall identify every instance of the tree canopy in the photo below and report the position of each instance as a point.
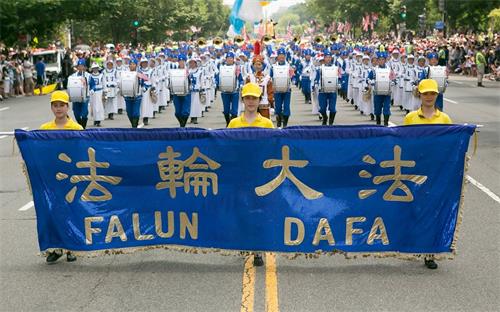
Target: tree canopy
(112, 20)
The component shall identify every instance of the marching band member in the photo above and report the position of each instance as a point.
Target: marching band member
(133, 98)
(343, 63)
(327, 81)
(422, 72)
(161, 76)
(120, 101)
(282, 73)
(229, 81)
(410, 80)
(110, 86)
(401, 81)
(396, 68)
(365, 104)
(147, 105)
(356, 79)
(382, 88)
(196, 79)
(306, 69)
(96, 92)
(81, 109)
(350, 78)
(207, 85)
(440, 74)
(182, 100)
(259, 77)
(155, 81)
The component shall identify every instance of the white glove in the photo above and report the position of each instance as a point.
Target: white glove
(92, 92)
(144, 89)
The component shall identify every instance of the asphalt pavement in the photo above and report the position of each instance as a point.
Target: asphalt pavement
(173, 281)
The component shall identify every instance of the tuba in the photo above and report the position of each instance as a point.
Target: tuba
(239, 41)
(218, 42)
(319, 39)
(267, 39)
(202, 43)
(332, 38)
(296, 39)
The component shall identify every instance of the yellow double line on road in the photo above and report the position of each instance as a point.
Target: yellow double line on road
(248, 289)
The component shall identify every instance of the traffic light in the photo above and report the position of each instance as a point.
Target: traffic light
(402, 11)
(135, 23)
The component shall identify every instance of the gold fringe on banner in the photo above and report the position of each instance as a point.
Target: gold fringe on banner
(245, 253)
(26, 175)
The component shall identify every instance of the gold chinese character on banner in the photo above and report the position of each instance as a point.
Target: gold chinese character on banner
(285, 163)
(94, 186)
(173, 173)
(397, 177)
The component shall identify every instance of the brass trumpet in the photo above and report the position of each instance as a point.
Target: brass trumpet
(332, 38)
(239, 41)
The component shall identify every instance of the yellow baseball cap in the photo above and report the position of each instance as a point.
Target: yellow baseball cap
(428, 85)
(251, 89)
(59, 96)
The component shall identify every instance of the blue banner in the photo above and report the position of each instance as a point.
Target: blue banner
(353, 189)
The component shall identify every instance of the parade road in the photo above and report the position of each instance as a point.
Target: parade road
(173, 281)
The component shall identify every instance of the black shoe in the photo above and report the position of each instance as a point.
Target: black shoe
(324, 119)
(378, 119)
(400, 107)
(386, 120)
(227, 118)
(355, 107)
(70, 257)
(430, 264)
(372, 117)
(110, 116)
(407, 111)
(145, 121)
(278, 121)
(194, 120)
(285, 121)
(53, 256)
(84, 122)
(97, 124)
(257, 260)
(120, 111)
(331, 118)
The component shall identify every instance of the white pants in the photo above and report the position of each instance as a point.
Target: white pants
(96, 106)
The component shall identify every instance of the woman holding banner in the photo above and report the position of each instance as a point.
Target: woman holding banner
(251, 95)
(428, 113)
(59, 104)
